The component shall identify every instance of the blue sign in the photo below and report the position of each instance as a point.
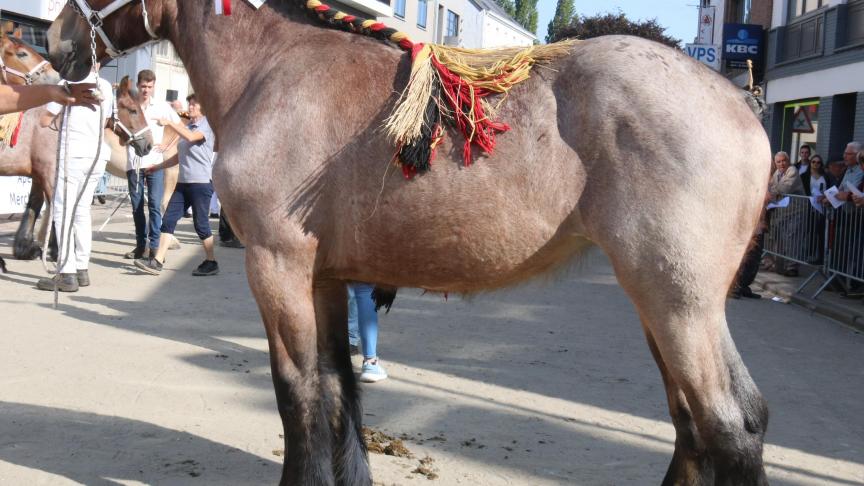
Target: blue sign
(742, 42)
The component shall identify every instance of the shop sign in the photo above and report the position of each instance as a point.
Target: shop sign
(706, 54)
(742, 42)
(706, 25)
(14, 193)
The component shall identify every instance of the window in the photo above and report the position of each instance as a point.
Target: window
(399, 9)
(739, 12)
(30, 31)
(452, 24)
(801, 7)
(421, 14)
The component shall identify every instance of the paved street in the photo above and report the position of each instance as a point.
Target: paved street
(165, 380)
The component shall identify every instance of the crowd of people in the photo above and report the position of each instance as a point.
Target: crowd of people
(82, 165)
(799, 229)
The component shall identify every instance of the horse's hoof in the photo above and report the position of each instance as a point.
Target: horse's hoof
(27, 251)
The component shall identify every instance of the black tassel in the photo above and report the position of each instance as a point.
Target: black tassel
(417, 155)
(384, 297)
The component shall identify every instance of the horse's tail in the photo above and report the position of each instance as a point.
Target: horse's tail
(384, 296)
(756, 101)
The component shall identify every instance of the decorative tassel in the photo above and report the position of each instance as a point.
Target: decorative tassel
(451, 83)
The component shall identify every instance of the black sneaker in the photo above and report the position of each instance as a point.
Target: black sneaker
(83, 277)
(747, 292)
(149, 265)
(135, 254)
(207, 268)
(66, 282)
(101, 199)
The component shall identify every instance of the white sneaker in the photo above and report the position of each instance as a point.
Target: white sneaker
(372, 371)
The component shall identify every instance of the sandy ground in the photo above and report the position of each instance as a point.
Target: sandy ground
(165, 380)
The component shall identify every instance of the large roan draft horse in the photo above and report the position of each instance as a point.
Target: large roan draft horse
(302, 173)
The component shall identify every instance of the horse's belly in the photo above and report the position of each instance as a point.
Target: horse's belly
(465, 256)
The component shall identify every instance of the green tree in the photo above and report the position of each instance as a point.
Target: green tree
(508, 6)
(614, 24)
(563, 17)
(524, 12)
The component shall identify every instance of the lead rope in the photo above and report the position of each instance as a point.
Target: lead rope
(64, 135)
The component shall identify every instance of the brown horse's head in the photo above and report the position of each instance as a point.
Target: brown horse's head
(20, 64)
(127, 25)
(129, 121)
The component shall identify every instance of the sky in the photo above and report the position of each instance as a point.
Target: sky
(680, 17)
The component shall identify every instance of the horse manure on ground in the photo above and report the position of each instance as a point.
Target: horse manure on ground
(426, 468)
(381, 443)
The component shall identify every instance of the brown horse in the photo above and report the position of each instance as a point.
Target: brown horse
(305, 172)
(35, 154)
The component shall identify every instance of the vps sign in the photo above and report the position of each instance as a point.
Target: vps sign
(742, 42)
(706, 54)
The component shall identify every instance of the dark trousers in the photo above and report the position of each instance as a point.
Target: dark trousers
(750, 265)
(186, 195)
(226, 234)
(155, 184)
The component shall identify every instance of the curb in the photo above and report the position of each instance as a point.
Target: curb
(827, 309)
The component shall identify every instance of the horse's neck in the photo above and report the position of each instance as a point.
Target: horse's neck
(224, 55)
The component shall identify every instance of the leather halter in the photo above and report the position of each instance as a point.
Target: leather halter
(96, 18)
(29, 77)
(115, 119)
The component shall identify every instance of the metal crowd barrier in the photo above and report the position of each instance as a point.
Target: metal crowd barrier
(828, 240)
(112, 185)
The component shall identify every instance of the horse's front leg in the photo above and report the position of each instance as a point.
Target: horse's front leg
(338, 384)
(280, 276)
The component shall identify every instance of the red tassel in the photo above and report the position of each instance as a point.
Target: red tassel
(464, 100)
(14, 141)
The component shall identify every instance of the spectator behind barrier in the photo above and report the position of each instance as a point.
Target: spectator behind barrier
(859, 201)
(836, 171)
(785, 180)
(803, 164)
(814, 179)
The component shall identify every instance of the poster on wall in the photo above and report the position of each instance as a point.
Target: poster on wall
(14, 193)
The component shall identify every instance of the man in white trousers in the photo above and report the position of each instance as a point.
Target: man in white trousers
(79, 148)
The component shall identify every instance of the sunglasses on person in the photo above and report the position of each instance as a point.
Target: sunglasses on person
(816, 161)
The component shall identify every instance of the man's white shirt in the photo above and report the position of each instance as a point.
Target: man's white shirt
(84, 127)
(155, 110)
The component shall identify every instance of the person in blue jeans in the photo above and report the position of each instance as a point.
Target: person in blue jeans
(147, 235)
(363, 321)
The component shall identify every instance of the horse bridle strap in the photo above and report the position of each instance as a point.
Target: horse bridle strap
(96, 18)
(28, 77)
(119, 124)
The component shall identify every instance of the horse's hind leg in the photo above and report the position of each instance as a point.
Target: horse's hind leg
(338, 385)
(719, 415)
(689, 460)
(280, 277)
(678, 272)
(25, 246)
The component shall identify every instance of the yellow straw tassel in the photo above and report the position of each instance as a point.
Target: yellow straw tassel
(406, 122)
